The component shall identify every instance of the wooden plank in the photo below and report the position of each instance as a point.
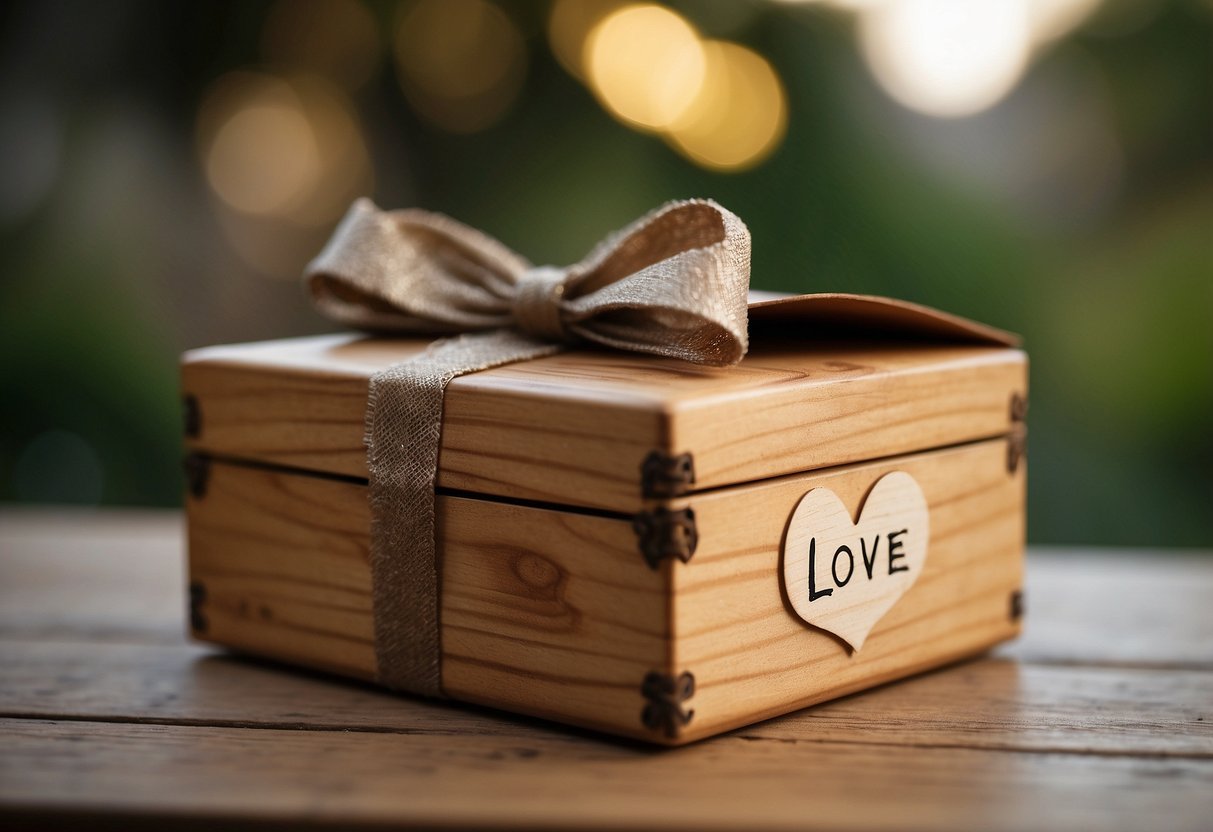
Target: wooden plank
(974, 746)
(545, 612)
(753, 657)
(1139, 607)
(113, 575)
(556, 614)
(575, 428)
(119, 575)
(990, 703)
(467, 780)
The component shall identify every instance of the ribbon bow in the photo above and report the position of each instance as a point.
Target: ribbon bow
(674, 284)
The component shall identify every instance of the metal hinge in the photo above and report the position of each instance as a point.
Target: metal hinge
(666, 695)
(197, 473)
(1016, 608)
(1017, 439)
(663, 533)
(663, 476)
(197, 597)
(1017, 449)
(191, 414)
(1019, 408)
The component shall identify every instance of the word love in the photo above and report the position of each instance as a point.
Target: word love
(842, 576)
(895, 554)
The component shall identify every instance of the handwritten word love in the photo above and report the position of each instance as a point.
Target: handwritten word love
(843, 576)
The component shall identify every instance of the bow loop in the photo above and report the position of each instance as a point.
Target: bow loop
(673, 283)
(537, 298)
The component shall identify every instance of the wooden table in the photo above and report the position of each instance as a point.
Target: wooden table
(1101, 717)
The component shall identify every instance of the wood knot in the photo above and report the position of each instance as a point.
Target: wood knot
(538, 573)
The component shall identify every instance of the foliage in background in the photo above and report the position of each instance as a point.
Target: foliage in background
(1078, 211)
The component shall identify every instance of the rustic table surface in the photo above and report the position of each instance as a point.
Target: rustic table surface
(1101, 717)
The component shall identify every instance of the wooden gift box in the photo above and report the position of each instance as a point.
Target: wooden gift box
(610, 526)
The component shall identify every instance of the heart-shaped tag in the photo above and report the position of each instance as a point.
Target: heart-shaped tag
(843, 576)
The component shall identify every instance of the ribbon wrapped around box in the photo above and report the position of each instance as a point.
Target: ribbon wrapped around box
(628, 494)
(674, 284)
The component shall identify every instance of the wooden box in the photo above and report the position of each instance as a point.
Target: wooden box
(614, 530)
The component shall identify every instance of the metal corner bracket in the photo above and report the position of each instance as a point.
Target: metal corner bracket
(191, 415)
(664, 533)
(197, 598)
(197, 474)
(666, 475)
(666, 694)
(1019, 407)
(1017, 449)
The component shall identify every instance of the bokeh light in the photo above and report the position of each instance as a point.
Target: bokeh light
(264, 158)
(955, 58)
(646, 64)
(718, 103)
(740, 113)
(569, 24)
(461, 62)
(1054, 19)
(338, 39)
(289, 150)
(946, 57)
(156, 193)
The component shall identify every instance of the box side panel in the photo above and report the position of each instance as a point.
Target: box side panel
(550, 613)
(753, 658)
(577, 428)
(496, 439)
(543, 612)
(868, 404)
(278, 566)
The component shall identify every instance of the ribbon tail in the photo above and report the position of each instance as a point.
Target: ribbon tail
(403, 438)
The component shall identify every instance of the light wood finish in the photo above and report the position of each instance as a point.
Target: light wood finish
(993, 703)
(543, 611)
(575, 428)
(1097, 719)
(557, 614)
(467, 780)
(753, 657)
(842, 573)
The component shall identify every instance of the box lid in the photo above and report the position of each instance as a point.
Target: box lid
(829, 379)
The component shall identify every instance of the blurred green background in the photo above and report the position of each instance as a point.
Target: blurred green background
(1042, 165)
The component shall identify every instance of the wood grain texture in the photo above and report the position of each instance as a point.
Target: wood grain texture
(544, 612)
(753, 657)
(556, 614)
(1109, 607)
(575, 428)
(990, 703)
(841, 571)
(120, 575)
(466, 780)
(1099, 718)
(82, 574)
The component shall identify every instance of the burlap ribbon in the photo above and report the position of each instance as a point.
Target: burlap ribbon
(673, 284)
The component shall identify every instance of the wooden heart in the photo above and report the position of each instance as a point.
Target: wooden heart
(843, 576)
